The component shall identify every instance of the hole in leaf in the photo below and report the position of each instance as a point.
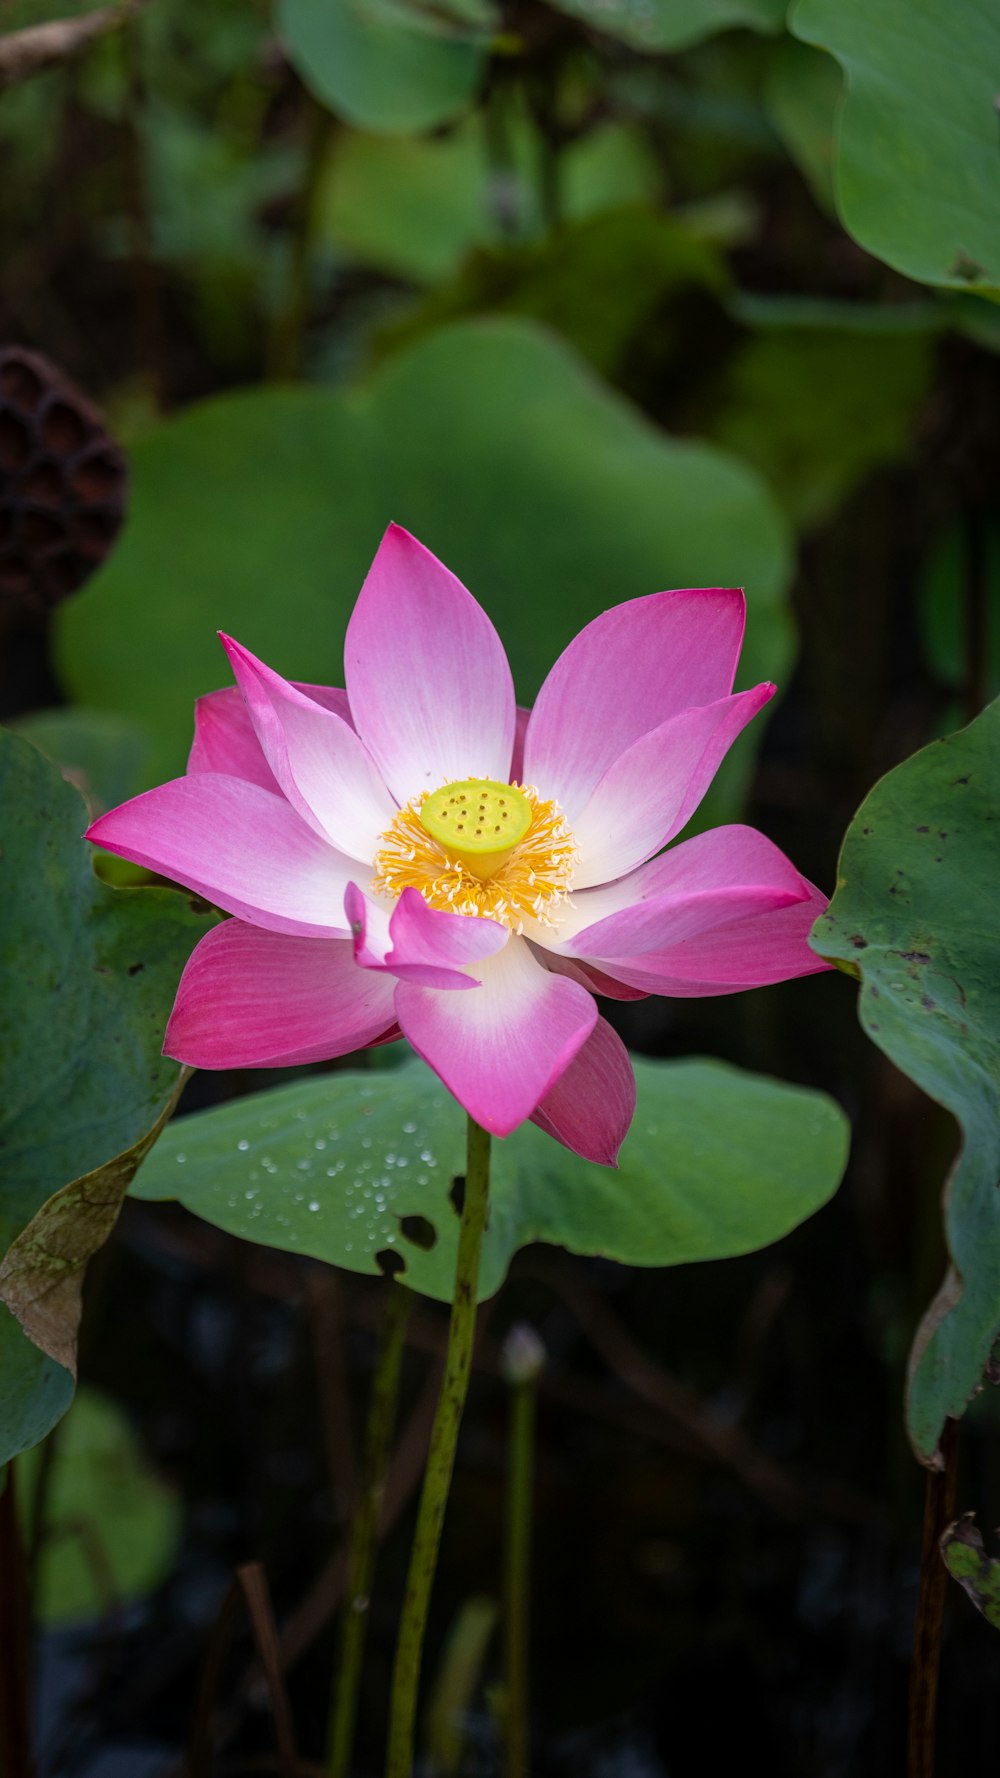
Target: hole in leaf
(390, 1263)
(456, 1193)
(419, 1230)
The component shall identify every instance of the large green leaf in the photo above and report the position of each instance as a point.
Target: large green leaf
(259, 513)
(34, 1391)
(110, 1526)
(89, 974)
(392, 68)
(917, 173)
(916, 911)
(717, 1162)
(658, 25)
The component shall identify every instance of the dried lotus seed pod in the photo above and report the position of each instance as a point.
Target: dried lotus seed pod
(62, 483)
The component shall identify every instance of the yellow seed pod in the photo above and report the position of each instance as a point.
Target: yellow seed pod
(479, 822)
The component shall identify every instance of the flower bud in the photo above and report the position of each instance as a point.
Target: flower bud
(522, 1356)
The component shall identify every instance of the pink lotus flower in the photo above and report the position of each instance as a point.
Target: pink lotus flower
(417, 856)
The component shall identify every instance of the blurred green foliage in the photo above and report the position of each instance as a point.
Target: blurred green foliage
(21, 15)
(798, 404)
(417, 207)
(389, 64)
(110, 1526)
(604, 284)
(259, 513)
(658, 25)
(943, 617)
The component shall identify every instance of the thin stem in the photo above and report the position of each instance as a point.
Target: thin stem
(441, 1458)
(16, 1758)
(364, 1530)
(517, 1575)
(257, 1599)
(939, 1510)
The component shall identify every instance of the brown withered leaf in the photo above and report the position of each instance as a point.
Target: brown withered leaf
(41, 1274)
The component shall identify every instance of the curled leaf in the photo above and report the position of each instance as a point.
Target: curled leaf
(915, 912)
(41, 1274)
(89, 975)
(978, 1574)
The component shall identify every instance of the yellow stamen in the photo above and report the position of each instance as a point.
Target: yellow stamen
(449, 844)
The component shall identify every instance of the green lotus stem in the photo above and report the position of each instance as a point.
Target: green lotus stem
(441, 1458)
(363, 1542)
(522, 1359)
